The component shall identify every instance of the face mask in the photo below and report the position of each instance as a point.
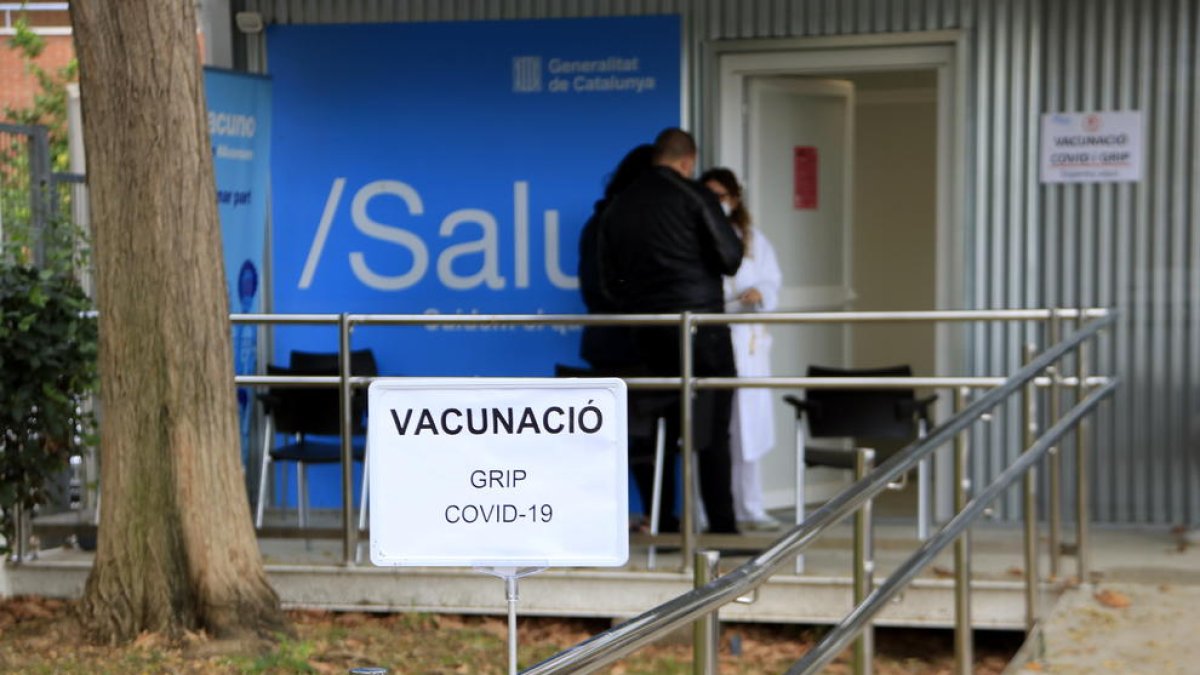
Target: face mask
(726, 208)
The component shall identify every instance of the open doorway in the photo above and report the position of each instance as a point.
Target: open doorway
(846, 158)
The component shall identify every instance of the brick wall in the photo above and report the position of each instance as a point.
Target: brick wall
(17, 86)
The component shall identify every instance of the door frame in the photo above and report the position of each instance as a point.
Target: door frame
(728, 63)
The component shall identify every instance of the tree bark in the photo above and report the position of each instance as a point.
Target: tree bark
(176, 547)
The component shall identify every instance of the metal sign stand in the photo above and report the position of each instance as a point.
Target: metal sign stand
(510, 576)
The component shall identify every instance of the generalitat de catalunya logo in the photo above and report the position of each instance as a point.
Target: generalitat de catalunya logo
(527, 74)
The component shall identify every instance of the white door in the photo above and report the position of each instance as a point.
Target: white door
(797, 173)
(767, 105)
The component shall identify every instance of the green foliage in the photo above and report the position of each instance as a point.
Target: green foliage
(47, 336)
(47, 369)
(49, 107)
(49, 110)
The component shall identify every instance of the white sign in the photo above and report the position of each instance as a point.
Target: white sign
(1091, 147)
(495, 472)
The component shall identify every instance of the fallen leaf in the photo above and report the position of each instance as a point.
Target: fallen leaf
(1016, 572)
(148, 641)
(942, 572)
(1114, 599)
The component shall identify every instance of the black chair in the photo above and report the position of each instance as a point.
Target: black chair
(310, 418)
(864, 414)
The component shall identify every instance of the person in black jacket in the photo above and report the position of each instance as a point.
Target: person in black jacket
(664, 246)
(608, 349)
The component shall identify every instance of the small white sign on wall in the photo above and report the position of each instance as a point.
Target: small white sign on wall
(479, 472)
(1095, 147)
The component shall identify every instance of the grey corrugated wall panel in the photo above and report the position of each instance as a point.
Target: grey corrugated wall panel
(1134, 246)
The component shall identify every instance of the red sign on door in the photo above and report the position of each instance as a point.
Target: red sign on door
(804, 173)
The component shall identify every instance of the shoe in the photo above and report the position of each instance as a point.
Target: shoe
(764, 524)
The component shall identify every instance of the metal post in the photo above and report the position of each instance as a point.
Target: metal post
(1055, 461)
(687, 523)
(39, 188)
(864, 566)
(512, 596)
(18, 555)
(1082, 555)
(924, 490)
(706, 631)
(1028, 425)
(964, 656)
(345, 397)
(660, 442)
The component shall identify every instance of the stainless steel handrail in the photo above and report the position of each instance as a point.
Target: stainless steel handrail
(981, 382)
(686, 383)
(840, 637)
(938, 315)
(964, 315)
(611, 645)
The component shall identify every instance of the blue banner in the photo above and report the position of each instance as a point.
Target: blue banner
(239, 124)
(448, 168)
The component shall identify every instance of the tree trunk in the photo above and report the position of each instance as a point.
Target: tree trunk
(176, 546)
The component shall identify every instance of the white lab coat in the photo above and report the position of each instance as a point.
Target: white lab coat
(752, 433)
(752, 426)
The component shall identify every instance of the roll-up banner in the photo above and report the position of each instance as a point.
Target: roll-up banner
(447, 168)
(239, 124)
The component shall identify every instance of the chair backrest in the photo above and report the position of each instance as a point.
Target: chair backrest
(564, 370)
(867, 413)
(362, 362)
(314, 411)
(303, 410)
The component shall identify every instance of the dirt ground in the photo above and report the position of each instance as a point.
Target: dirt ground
(41, 636)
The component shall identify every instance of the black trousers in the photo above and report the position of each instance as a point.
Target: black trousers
(712, 356)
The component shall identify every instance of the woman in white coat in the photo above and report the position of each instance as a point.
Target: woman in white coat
(755, 288)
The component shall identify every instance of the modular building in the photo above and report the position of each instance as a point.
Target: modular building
(441, 157)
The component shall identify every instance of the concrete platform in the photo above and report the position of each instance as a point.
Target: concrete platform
(310, 574)
(1139, 614)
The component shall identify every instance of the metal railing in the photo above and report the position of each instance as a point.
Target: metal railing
(705, 600)
(702, 603)
(687, 383)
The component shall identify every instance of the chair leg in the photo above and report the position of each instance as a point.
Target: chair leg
(263, 469)
(660, 442)
(924, 499)
(800, 485)
(699, 510)
(302, 493)
(924, 490)
(363, 491)
(362, 506)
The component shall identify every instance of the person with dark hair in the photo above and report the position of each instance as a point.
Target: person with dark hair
(664, 246)
(608, 349)
(755, 288)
